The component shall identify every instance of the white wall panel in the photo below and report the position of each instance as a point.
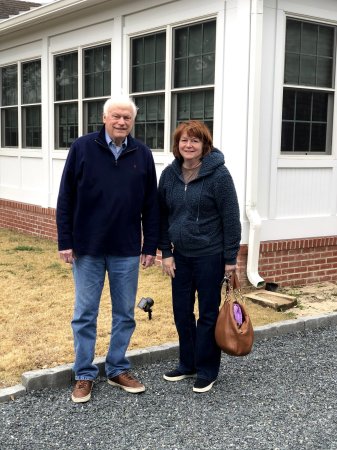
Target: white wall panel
(9, 171)
(303, 192)
(32, 173)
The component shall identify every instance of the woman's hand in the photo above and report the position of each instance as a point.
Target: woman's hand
(230, 268)
(169, 266)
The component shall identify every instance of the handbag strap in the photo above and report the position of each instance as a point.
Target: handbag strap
(232, 286)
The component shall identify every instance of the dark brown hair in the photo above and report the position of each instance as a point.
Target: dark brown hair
(193, 128)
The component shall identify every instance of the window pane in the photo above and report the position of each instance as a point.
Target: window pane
(324, 72)
(209, 105)
(183, 107)
(287, 137)
(302, 137)
(194, 71)
(66, 77)
(318, 137)
(149, 77)
(309, 39)
(293, 36)
(97, 71)
(180, 43)
(325, 41)
(195, 40)
(208, 64)
(160, 47)
(149, 49)
(9, 127)
(303, 106)
(31, 82)
(194, 52)
(9, 83)
(149, 126)
(160, 75)
(308, 70)
(209, 37)
(31, 127)
(180, 73)
(93, 112)
(292, 69)
(306, 115)
(148, 62)
(66, 125)
(288, 112)
(311, 63)
(320, 107)
(196, 105)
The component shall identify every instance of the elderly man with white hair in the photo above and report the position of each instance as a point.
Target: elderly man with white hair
(108, 221)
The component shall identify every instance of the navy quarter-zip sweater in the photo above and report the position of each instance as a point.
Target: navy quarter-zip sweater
(203, 217)
(106, 206)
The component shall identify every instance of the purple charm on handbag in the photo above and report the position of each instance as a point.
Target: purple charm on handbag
(237, 314)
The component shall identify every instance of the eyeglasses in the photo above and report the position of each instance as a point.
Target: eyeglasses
(193, 141)
(117, 117)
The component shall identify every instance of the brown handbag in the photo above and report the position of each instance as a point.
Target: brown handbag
(233, 339)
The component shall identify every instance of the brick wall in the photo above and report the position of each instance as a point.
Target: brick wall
(291, 262)
(29, 219)
(299, 261)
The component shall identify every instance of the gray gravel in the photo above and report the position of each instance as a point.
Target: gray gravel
(282, 396)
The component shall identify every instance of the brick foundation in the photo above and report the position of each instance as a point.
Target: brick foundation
(30, 219)
(292, 262)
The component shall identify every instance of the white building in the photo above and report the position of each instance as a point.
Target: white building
(260, 73)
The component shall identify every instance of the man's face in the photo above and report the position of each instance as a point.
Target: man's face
(118, 123)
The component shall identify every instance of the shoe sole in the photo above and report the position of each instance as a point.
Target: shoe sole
(81, 399)
(179, 377)
(126, 388)
(205, 389)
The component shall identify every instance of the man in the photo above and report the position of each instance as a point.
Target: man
(107, 215)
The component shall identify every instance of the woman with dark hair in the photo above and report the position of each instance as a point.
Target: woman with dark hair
(199, 239)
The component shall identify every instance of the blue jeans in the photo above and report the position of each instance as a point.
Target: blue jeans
(89, 275)
(198, 351)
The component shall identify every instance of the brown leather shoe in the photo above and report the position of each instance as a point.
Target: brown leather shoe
(127, 382)
(82, 391)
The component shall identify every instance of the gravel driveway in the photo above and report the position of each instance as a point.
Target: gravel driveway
(282, 396)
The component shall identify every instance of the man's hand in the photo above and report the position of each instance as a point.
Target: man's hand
(67, 256)
(169, 266)
(147, 260)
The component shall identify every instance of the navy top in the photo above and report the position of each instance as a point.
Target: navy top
(108, 206)
(203, 217)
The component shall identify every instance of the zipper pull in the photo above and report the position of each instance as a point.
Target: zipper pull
(185, 187)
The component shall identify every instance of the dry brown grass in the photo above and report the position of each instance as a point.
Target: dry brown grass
(36, 303)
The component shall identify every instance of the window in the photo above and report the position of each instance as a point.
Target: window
(191, 95)
(70, 101)
(194, 63)
(97, 83)
(9, 106)
(308, 93)
(148, 76)
(66, 94)
(31, 105)
(28, 107)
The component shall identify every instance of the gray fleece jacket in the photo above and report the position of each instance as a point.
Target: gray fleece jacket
(201, 218)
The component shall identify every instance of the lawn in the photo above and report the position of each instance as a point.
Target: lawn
(36, 304)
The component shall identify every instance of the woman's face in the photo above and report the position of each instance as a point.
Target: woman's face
(190, 148)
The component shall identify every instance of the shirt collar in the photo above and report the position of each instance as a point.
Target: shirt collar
(109, 140)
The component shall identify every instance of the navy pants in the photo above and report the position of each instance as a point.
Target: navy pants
(198, 351)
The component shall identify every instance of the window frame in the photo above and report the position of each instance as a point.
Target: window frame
(301, 88)
(21, 107)
(170, 92)
(81, 101)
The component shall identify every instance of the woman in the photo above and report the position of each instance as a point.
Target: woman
(200, 240)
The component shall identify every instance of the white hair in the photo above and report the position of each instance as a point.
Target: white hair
(121, 101)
